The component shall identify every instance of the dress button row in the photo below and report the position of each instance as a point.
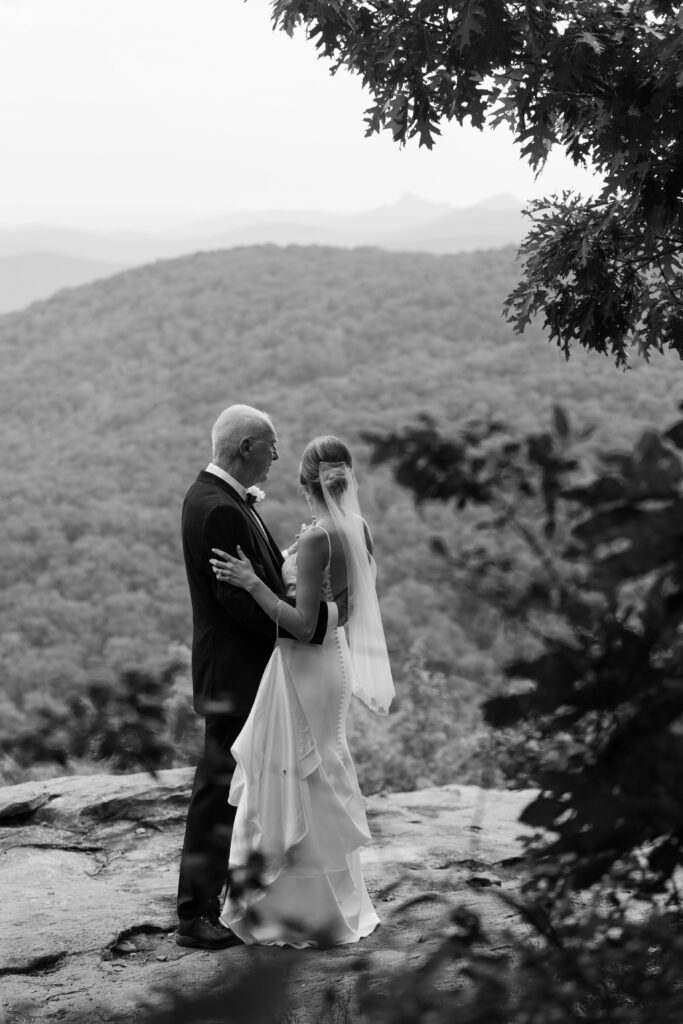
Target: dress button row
(340, 719)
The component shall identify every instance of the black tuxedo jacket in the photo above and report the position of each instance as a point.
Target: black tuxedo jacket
(232, 637)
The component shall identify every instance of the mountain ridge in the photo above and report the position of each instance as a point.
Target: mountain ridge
(409, 224)
(27, 277)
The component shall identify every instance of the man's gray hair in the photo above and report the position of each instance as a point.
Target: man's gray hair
(232, 426)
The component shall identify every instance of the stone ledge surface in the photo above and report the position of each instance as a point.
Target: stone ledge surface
(88, 874)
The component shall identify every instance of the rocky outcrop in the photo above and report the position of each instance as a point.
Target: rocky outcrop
(88, 873)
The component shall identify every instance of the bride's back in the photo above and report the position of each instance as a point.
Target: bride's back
(337, 563)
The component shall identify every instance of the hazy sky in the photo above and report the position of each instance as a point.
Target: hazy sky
(146, 112)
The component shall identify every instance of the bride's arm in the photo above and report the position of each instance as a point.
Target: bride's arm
(301, 620)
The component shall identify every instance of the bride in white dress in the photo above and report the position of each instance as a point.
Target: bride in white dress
(298, 801)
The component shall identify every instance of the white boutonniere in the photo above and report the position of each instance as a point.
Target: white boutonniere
(255, 495)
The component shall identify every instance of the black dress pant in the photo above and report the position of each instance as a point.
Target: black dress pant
(204, 861)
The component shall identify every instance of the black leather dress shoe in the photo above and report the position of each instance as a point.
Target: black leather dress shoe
(205, 932)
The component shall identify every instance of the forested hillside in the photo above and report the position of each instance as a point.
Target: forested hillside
(108, 393)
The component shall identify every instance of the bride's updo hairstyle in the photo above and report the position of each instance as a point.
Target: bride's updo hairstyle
(324, 449)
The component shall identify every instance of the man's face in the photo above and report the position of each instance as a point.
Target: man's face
(263, 453)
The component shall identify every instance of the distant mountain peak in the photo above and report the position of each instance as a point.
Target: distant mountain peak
(408, 200)
(501, 201)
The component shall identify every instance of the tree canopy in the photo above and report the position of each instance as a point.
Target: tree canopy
(602, 80)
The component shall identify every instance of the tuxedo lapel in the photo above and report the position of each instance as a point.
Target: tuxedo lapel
(264, 540)
(274, 549)
(223, 485)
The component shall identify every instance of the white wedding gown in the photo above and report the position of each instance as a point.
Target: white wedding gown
(298, 801)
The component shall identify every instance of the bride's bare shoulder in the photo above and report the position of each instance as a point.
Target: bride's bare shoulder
(314, 541)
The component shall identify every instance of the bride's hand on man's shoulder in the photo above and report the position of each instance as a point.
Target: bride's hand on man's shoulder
(238, 572)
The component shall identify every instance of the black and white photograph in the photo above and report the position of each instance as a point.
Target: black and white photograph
(341, 570)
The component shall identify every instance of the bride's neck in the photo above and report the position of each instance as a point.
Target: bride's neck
(318, 508)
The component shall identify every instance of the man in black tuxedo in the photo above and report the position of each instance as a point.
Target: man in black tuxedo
(232, 642)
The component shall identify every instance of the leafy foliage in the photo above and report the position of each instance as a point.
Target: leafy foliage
(130, 721)
(434, 735)
(598, 966)
(607, 669)
(599, 276)
(603, 80)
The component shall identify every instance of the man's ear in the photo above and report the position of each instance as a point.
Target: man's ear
(244, 447)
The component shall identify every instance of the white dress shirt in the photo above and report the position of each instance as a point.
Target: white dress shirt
(235, 484)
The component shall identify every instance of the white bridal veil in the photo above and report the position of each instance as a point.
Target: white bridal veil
(372, 672)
